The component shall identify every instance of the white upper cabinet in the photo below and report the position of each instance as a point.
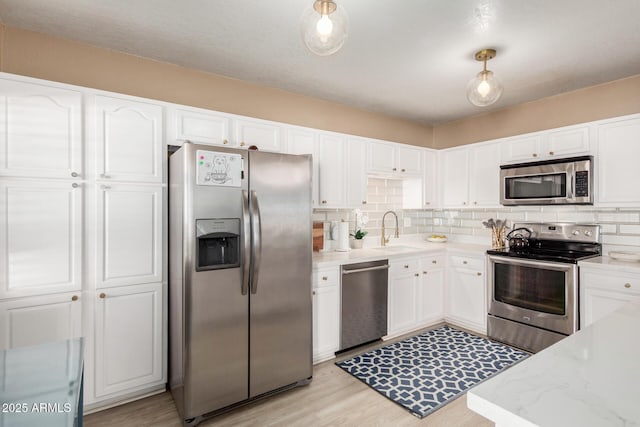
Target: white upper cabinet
(470, 176)
(331, 168)
(267, 136)
(40, 130)
(429, 179)
(303, 141)
(198, 126)
(40, 237)
(356, 174)
(129, 142)
(389, 158)
(547, 145)
(617, 157)
(40, 319)
(129, 234)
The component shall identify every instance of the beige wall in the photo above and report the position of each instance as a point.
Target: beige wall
(611, 99)
(38, 55)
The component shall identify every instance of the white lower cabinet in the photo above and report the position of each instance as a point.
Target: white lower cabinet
(40, 319)
(404, 278)
(430, 294)
(603, 291)
(466, 292)
(326, 313)
(129, 340)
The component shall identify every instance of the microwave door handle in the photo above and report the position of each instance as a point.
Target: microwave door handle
(246, 243)
(572, 176)
(256, 230)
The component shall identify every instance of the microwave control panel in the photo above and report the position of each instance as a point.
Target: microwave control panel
(582, 184)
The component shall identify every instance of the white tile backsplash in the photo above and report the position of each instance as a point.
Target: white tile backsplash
(620, 228)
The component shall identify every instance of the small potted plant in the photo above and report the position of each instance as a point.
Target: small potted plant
(359, 233)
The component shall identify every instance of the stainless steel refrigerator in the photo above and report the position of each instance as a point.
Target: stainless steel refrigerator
(239, 277)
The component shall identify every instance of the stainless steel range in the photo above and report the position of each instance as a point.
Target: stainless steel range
(533, 289)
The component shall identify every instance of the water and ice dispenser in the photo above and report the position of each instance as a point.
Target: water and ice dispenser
(218, 243)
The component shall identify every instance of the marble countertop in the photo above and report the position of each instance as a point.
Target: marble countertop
(590, 378)
(398, 249)
(608, 263)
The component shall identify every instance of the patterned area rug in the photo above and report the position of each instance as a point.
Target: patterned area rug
(427, 371)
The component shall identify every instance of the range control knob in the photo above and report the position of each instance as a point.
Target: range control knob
(588, 233)
(576, 232)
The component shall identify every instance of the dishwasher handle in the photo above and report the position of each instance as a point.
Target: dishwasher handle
(360, 270)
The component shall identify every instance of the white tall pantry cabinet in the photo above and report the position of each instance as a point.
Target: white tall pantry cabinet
(82, 246)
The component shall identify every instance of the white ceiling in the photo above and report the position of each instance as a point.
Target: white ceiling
(406, 58)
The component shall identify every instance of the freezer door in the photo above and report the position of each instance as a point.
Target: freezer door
(216, 313)
(280, 290)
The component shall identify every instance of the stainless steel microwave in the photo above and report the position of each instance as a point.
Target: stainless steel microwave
(553, 182)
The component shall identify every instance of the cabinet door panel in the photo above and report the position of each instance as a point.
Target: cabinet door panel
(568, 142)
(466, 298)
(455, 175)
(326, 315)
(431, 296)
(129, 234)
(331, 167)
(381, 157)
(409, 160)
(128, 339)
(484, 182)
(200, 127)
(598, 303)
(41, 319)
(266, 136)
(618, 154)
(403, 314)
(40, 130)
(429, 180)
(303, 141)
(129, 140)
(40, 237)
(521, 149)
(356, 173)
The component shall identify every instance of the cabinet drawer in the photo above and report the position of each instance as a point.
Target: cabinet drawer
(433, 262)
(629, 283)
(326, 277)
(403, 266)
(467, 262)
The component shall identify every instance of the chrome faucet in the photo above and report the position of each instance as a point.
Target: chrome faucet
(384, 239)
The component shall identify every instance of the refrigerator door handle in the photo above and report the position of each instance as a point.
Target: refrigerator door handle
(256, 229)
(246, 242)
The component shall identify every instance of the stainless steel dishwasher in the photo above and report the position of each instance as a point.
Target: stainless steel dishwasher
(363, 303)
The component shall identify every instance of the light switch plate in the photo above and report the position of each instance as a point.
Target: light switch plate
(407, 222)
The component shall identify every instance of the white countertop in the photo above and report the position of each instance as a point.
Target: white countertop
(608, 263)
(398, 249)
(591, 378)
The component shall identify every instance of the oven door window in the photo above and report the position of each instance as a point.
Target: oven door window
(532, 288)
(543, 186)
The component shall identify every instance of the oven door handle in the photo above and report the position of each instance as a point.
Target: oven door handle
(549, 265)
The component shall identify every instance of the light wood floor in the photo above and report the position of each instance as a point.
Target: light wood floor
(334, 398)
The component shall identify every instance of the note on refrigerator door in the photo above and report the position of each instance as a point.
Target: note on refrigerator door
(218, 169)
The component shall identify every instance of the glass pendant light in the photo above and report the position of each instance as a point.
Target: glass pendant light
(324, 27)
(485, 88)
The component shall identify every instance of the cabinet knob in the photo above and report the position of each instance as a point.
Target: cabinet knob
(324, 277)
(103, 295)
(242, 144)
(417, 275)
(475, 203)
(324, 202)
(464, 203)
(74, 298)
(364, 202)
(464, 262)
(478, 274)
(534, 155)
(313, 292)
(103, 176)
(434, 262)
(394, 169)
(551, 153)
(427, 203)
(75, 185)
(627, 285)
(225, 141)
(406, 266)
(74, 174)
(402, 170)
(105, 187)
(424, 272)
